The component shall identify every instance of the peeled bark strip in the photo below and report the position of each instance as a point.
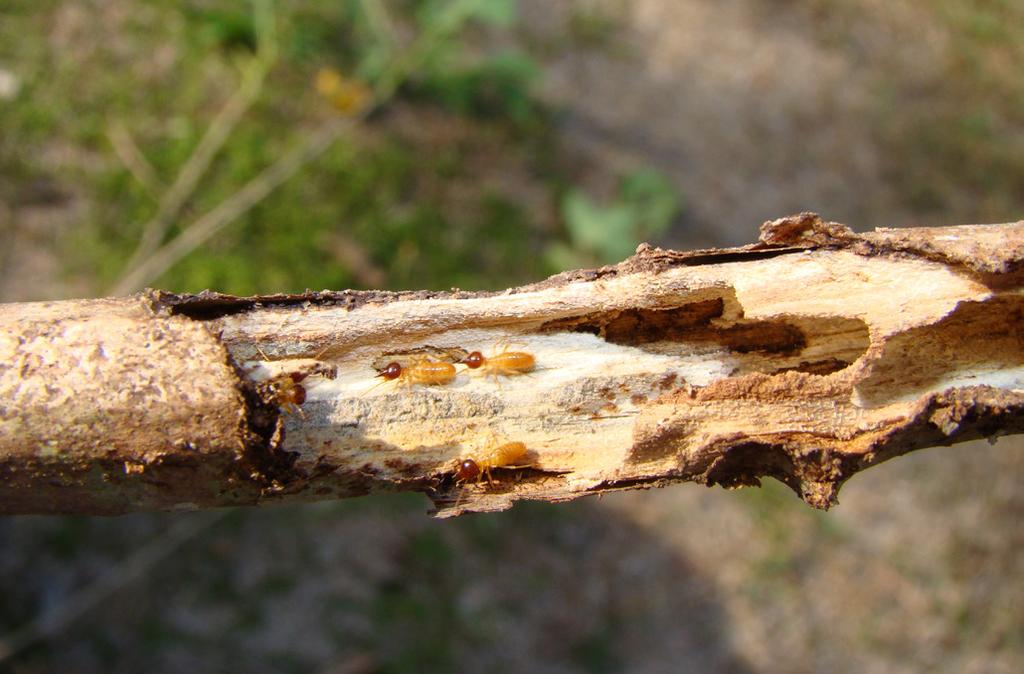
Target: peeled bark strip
(807, 357)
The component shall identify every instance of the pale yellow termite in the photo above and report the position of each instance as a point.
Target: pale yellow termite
(427, 372)
(505, 363)
(502, 456)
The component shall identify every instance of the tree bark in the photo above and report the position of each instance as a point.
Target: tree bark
(806, 357)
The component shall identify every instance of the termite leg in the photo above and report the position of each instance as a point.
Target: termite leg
(505, 344)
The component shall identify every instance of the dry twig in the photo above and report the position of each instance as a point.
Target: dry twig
(231, 208)
(132, 158)
(150, 260)
(218, 133)
(807, 357)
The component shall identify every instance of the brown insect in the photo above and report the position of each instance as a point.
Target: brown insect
(505, 363)
(502, 456)
(287, 392)
(422, 371)
(284, 388)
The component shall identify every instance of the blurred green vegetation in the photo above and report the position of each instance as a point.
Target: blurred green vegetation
(976, 133)
(426, 193)
(643, 209)
(456, 180)
(954, 124)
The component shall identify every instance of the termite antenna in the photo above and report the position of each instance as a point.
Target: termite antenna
(380, 383)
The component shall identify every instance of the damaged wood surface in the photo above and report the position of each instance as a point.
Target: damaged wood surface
(807, 357)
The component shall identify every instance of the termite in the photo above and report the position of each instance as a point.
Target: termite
(506, 363)
(287, 392)
(426, 372)
(502, 456)
(449, 354)
(284, 388)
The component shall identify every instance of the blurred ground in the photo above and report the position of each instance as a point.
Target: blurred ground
(872, 113)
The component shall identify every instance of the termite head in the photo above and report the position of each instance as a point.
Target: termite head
(473, 360)
(287, 390)
(392, 371)
(467, 470)
(298, 376)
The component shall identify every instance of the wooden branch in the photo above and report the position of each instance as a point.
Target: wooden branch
(807, 357)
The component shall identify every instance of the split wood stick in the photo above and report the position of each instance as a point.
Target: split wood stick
(807, 357)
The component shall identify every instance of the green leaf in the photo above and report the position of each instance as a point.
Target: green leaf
(653, 199)
(492, 12)
(559, 256)
(445, 17)
(497, 86)
(375, 60)
(607, 230)
(229, 29)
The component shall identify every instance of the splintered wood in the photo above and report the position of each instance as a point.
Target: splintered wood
(806, 357)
